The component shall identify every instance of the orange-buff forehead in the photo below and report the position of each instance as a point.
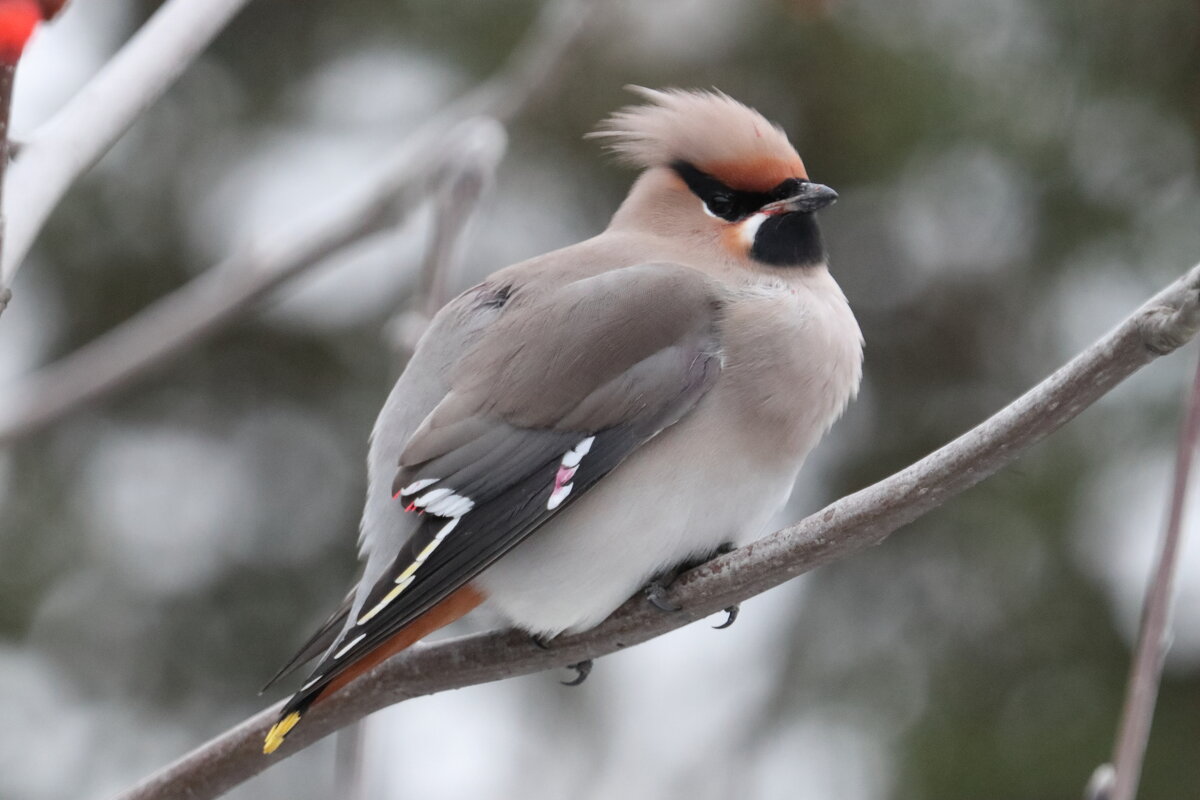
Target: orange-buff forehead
(755, 174)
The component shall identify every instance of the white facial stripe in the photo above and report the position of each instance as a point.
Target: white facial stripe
(749, 229)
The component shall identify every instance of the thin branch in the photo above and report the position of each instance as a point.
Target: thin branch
(8, 71)
(198, 309)
(68, 144)
(75, 138)
(455, 202)
(224, 293)
(536, 65)
(1154, 634)
(849, 525)
(348, 772)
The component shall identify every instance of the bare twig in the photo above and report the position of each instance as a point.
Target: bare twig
(1100, 784)
(67, 145)
(847, 526)
(536, 64)
(204, 305)
(1121, 781)
(8, 72)
(455, 201)
(71, 141)
(225, 292)
(348, 762)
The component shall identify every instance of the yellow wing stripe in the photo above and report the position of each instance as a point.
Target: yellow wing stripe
(389, 597)
(406, 577)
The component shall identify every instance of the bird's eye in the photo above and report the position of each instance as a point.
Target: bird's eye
(720, 204)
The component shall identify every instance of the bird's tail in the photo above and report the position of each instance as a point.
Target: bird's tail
(332, 673)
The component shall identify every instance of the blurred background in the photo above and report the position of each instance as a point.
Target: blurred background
(1015, 177)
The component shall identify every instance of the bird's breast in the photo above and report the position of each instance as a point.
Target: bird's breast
(792, 361)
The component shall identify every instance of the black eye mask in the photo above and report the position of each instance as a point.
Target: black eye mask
(731, 204)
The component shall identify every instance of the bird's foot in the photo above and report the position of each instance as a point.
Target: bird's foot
(657, 589)
(656, 592)
(736, 608)
(582, 670)
(733, 612)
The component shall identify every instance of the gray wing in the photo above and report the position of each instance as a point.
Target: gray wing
(558, 390)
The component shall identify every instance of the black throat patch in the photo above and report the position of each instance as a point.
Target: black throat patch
(789, 240)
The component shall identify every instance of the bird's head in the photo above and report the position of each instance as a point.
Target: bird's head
(719, 171)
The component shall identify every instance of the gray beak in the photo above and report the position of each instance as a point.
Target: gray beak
(811, 197)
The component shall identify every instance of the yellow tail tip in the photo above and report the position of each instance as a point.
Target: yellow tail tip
(278, 731)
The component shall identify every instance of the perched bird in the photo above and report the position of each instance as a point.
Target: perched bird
(579, 422)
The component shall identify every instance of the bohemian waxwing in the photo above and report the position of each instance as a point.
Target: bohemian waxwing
(580, 422)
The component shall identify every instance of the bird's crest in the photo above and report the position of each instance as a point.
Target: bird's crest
(709, 130)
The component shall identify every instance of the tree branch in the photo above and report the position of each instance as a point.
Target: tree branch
(200, 308)
(8, 71)
(222, 294)
(535, 65)
(455, 202)
(1120, 782)
(845, 527)
(75, 138)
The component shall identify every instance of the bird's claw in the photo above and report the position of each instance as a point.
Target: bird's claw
(582, 670)
(656, 589)
(733, 612)
(656, 593)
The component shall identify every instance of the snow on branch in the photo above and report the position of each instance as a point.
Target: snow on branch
(227, 291)
(54, 156)
(843, 528)
(209, 302)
